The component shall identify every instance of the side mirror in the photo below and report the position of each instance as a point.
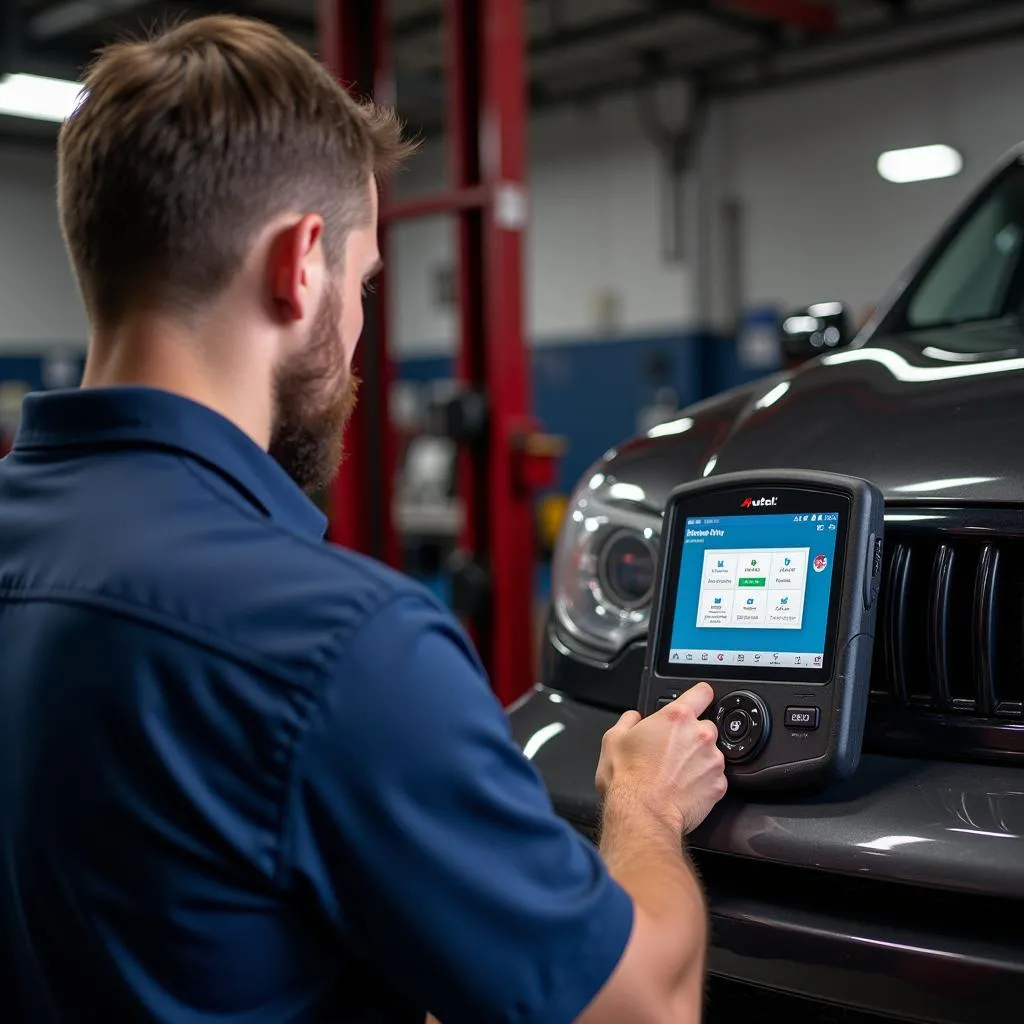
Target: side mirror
(819, 328)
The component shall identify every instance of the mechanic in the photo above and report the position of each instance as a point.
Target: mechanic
(244, 774)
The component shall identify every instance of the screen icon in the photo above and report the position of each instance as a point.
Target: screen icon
(799, 660)
(817, 660)
(820, 563)
(721, 657)
(757, 657)
(704, 656)
(784, 600)
(718, 600)
(741, 657)
(689, 655)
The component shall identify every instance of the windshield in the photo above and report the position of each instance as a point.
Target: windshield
(976, 279)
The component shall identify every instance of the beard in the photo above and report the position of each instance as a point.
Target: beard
(314, 397)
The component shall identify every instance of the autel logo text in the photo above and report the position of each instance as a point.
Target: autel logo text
(758, 502)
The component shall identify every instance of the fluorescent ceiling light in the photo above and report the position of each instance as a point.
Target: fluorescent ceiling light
(922, 163)
(44, 99)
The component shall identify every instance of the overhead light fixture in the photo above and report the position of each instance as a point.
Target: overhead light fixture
(33, 96)
(922, 163)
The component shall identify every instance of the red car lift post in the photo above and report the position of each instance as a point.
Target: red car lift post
(503, 463)
(353, 37)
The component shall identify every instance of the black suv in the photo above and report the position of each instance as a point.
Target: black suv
(900, 892)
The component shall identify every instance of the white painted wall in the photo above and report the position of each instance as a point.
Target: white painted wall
(820, 222)
(817, 220)
(594, 208)
(39, 303)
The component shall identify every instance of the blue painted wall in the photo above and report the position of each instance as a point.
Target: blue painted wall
(23, 368)
(31, 370)
(589, 392)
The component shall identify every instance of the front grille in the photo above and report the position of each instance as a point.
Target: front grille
(948, 670)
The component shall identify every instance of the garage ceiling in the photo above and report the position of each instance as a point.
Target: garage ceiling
(579, 50)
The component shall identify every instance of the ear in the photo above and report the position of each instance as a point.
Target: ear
(296, 268)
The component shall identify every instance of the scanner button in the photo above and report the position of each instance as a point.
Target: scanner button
(735, 725)
(873, 578)
(802, 718)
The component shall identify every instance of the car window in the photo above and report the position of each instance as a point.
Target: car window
(978, 275)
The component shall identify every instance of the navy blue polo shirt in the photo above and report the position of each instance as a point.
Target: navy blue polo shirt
(248, 776)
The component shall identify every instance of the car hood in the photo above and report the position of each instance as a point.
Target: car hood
(924, 423)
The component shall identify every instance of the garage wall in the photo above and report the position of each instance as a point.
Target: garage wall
(593, 260)
(816, 221)
(39, 304)
(819, 221)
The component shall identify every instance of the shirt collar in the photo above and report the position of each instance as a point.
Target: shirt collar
(136, 416)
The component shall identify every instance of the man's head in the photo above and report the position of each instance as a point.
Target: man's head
(220, 163)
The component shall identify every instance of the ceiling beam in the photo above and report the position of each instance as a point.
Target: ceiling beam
(722, 15)
(802, 14)
(65, 18)
(871, 61)
(722, 80)
(10, 38)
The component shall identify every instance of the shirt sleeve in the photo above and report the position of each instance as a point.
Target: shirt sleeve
(430, 841)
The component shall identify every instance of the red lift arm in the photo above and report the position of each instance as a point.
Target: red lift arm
(499, 469)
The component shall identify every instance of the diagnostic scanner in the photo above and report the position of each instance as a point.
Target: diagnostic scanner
(767, 588)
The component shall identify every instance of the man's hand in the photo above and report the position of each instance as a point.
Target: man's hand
(659, 777)
(668, 762)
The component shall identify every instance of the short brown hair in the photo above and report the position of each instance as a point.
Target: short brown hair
(186, 144)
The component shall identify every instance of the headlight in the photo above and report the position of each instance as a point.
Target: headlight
(604, 564)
